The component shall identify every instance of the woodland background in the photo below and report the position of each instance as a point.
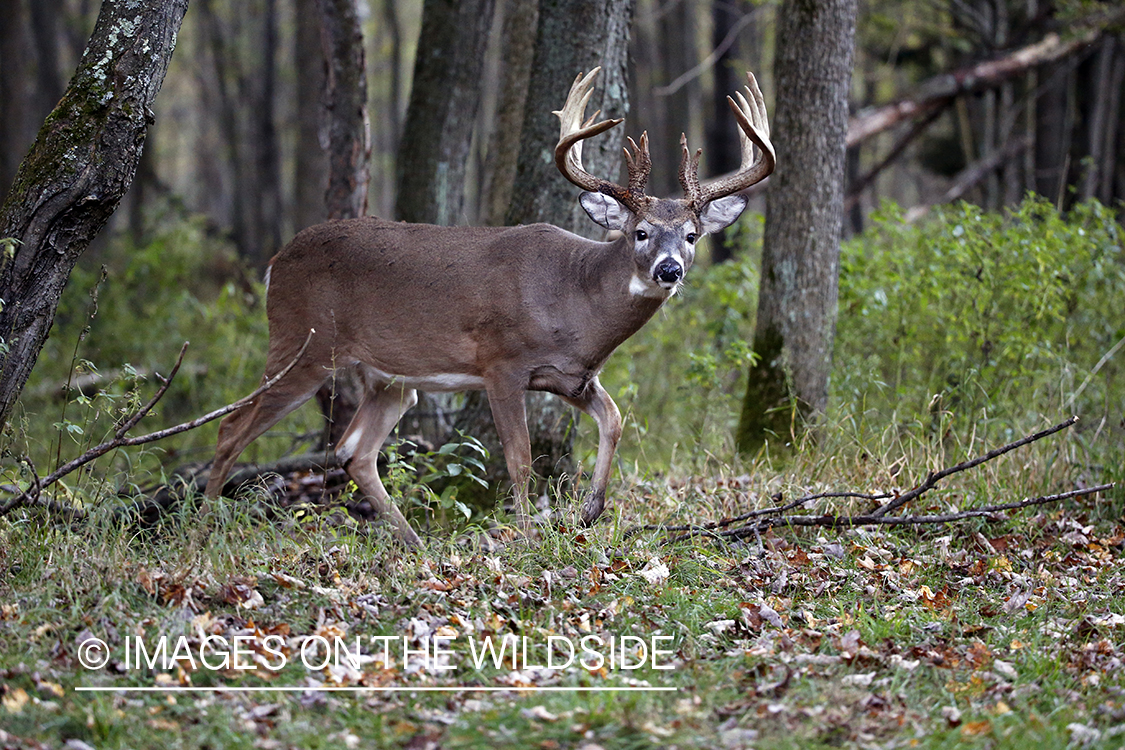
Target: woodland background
(980, 290)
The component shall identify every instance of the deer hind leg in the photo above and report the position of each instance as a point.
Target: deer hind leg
(242, 427)
(358, 450)
(597, 403)
(509, 413)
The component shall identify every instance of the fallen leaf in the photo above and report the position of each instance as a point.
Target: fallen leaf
(15, 700)
(976, 728)
(655, 572)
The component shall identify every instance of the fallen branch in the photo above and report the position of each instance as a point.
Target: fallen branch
(937, 91)
(31, 496)
(767, 518)
(181, 485)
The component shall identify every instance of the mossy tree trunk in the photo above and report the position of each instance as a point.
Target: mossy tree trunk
(80, 166)
(796, 322)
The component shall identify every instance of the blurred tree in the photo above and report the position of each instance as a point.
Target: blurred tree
(243, 47)
(438, 132)
(30, 75)
(722, 150)
(518, 45)
(796, 320)
(311, 162)
(72, 180)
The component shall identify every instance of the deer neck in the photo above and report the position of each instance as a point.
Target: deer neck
(609, 279)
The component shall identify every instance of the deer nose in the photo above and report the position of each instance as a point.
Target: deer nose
(669, 272)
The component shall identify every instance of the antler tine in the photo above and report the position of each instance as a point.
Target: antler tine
(574, 129)
(689, 172)
(754, 130)
(640, 166)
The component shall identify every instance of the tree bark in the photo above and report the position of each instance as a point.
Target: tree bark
(311, 166)
(518, 39)
(434, 150)
(349, 151)
(72, 180)
(345, 107)
(796, 320)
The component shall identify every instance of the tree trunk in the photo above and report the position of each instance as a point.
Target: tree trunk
(349, 149)
(796, 320)
(723, 151)
(311, 163)
(518, 40)
(81, 164)
(434, 151)
(571, 37)
(677, 31)
(15, 51)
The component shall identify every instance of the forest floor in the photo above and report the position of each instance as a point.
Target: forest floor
(995, 632)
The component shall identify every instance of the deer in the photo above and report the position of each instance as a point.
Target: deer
(503, 309)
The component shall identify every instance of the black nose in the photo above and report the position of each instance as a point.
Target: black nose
(669, 272)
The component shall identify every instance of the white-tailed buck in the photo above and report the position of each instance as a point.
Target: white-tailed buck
(504, 309)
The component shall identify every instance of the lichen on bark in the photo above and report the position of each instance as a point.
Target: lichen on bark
(80, 166)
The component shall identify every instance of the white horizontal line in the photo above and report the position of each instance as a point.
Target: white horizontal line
(394, 689)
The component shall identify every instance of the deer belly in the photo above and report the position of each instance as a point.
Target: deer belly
(435, 382)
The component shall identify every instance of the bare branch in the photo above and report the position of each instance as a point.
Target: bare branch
(774, 516)
(31, 495)
(874, 520)
(934, 477)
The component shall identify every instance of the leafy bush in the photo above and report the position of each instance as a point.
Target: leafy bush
(981, 317)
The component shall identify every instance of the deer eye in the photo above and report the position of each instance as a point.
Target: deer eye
(691, 238)
(641, 235)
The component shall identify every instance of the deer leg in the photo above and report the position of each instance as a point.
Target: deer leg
(242, 427)
(597, 403)
(358, 450)
(509, 412)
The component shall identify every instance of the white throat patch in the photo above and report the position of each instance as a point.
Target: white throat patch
(638, 287)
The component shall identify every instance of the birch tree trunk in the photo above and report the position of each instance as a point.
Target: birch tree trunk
(82, 163)
(796, 321)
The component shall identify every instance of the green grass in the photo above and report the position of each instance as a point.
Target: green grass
(881, 631)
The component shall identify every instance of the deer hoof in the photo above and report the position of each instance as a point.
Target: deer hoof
(592, 507)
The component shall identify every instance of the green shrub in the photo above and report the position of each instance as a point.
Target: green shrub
(984, 318)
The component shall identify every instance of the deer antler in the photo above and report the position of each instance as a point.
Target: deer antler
(568, 152)
(754, 130)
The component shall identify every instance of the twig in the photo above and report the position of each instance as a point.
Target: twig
(695, 528)
(711, 59)
(119, 440)
(775, 516)
(873, 520)
(934, 477)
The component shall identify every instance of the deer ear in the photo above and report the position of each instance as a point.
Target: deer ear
(721, 213)
(604, 210)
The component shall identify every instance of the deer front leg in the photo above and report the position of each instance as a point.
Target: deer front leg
(597, 403)
(358, 450)
(509, 413)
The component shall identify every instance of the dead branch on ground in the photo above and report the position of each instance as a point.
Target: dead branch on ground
(766, 518)
(33, 495)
